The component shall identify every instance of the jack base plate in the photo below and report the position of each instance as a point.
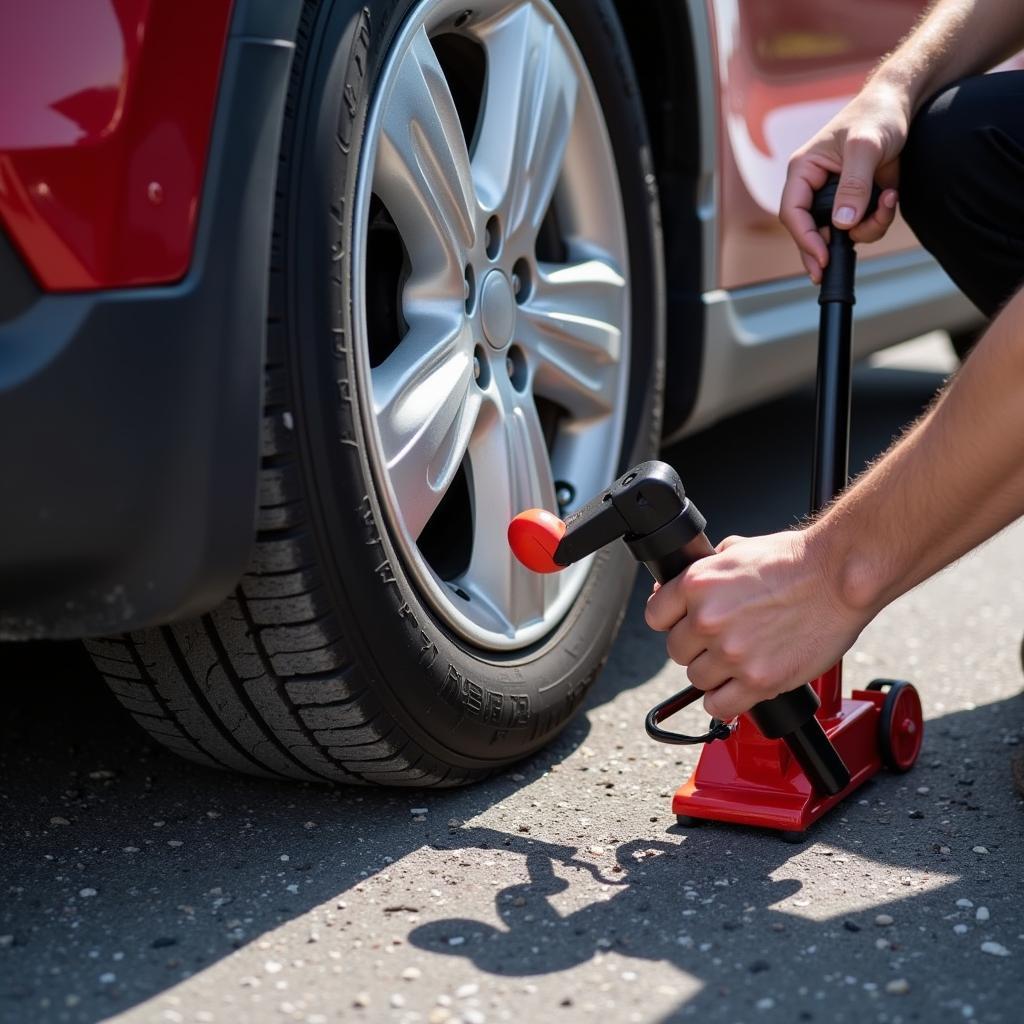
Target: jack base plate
(750, 780)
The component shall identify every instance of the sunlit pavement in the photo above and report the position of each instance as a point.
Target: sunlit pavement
(140, 888)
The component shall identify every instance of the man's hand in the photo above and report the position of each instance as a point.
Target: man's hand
(861, 144)
(755, 620)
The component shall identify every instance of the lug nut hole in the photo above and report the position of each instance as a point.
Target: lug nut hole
(469, 289)
(481, 368)
(492, 238)
(515, 365)
(522, 281)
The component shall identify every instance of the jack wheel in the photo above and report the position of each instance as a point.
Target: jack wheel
(792, 837)
(900, 725)
(685, 821)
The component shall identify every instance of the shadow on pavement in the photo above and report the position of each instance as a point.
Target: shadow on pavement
(670, 900)
(651, 908)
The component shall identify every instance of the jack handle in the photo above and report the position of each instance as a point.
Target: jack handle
(789, 717)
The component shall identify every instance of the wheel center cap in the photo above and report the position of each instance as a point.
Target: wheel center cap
(497, 309)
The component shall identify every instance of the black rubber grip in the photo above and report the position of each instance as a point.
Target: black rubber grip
(825, 200)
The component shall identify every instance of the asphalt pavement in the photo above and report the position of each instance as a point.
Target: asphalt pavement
(139, 888)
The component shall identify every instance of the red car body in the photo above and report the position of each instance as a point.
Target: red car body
(104, 135)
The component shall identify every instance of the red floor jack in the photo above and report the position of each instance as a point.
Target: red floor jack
(790, 759)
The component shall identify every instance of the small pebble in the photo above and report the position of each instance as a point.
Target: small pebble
(851, 926)
(362, 1000)
(897, 987)
(979, 849)
(109, 978)
(439, 1015)
(59, 821)
(981, 914)
(465, 991)
(881, 943)
(883, 920)
(411, 973)
(923, 790)
(456, 940)
(418, 810)
(473, 1017)
(964, 903)
(959, 929)
(595, 849)
(272, 967)
(917, 815)
(765, 1004)
(85, 893)
(397, 1000)
(995, 949)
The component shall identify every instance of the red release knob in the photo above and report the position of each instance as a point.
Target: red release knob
(533, 536)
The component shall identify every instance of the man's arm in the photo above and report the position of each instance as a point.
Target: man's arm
(769, 613)
(862, 143)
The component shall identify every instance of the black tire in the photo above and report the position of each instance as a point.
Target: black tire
(325, 663)
(685, 821)
(793, 838)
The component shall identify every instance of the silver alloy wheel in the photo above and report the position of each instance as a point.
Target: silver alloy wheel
(483, 331)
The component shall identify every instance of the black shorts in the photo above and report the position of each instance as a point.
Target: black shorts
(962, 184)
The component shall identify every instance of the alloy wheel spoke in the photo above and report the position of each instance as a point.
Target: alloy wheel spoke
(426, 408)
(422, 173)
(510, 471)
(528, 108)
(571, 329)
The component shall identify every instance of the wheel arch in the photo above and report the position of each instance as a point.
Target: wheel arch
(671, 46)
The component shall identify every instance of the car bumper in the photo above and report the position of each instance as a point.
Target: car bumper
(131, 418)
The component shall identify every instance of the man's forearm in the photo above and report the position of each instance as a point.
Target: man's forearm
(955, 39)
(952, 481)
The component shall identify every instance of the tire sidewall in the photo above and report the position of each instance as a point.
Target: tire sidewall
(470, 707)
